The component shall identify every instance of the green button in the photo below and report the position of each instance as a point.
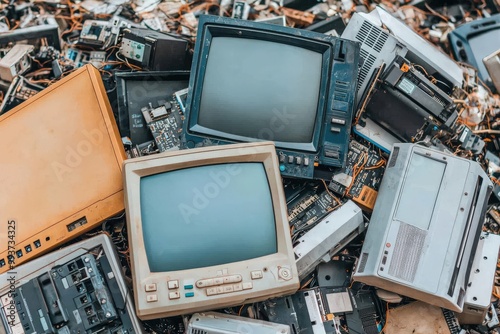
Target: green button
(188, 287)
(137, 56)
(189, 294)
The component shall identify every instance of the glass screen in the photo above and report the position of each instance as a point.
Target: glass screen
(205, 216)
(260, 89)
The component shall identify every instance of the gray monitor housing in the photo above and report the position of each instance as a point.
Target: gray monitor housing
(425, 226)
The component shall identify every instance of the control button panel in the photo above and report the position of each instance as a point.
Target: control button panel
(256, 274)
(207, 282)
(296, 164)
(285, 273)
(174, 284)
(247, 285)
(218, 290)
(174, 295)
(151, 298)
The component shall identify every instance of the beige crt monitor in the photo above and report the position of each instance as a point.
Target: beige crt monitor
(207, 229)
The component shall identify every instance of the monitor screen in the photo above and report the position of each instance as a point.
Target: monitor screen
(482, 47)
(208, 215)
(261, 89)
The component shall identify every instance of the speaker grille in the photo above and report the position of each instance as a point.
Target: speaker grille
(407, 252)
(368, 62)
(372, 36)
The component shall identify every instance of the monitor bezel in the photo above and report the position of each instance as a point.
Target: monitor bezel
(460, 37)
(211, 27)
(135, 169)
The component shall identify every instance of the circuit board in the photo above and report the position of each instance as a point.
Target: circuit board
(309, 207)
(80, 296)
(165, 123)
(172, 325)
(362, 176)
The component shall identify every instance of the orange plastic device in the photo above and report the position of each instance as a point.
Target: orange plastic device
(61, 167)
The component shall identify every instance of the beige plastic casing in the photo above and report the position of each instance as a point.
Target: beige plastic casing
(279, 272)
(62, 160)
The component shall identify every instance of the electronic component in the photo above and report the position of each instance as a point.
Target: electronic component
(97, 58)
(310, 206)
(480, 281)
(19, 91)
(72, 150)
(16, 62)
(241, 9)
(140, 150)
(78, 57)
(181, 98)
(101, 34)
(78, 289)
(278, 20)
(325, 311)
(261, 97)
(425, 225)
(48, 33)
(165, 123)
(361, 177)
(220, 323)
(436, 63)
(136, 89)
(406, 99)
(382, 49)
(47, 53)
(188, 252)
(328, 237)
(154, 50)
(171, 325)
(492, 64)
(335, 273)
(468, 140)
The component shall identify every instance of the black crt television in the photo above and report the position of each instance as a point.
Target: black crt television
(473, 41)
(255, 82)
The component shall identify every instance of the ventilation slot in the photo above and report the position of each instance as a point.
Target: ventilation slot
(369, 60)
(363, 31)
(342, 85)
(198, 331)
(394, 157)
(407, 252)
(340, 96)
(362, 262)
(372, 36)
(341, 91)
(381, 41)
(451, 321)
